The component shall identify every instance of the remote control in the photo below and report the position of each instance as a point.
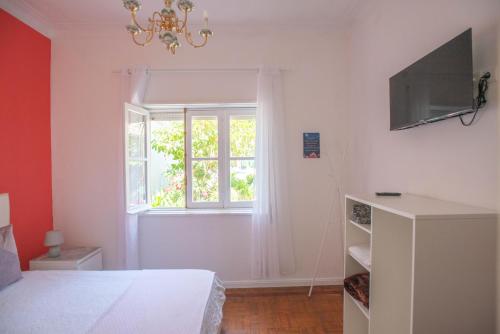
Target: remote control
(387, 194)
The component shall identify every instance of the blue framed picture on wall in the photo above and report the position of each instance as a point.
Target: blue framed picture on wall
(311, 145)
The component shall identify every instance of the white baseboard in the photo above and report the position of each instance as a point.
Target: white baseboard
(283, 282)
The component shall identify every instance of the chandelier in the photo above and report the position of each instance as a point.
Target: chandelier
(166, 24)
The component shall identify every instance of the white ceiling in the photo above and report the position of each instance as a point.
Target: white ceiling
(283, 12)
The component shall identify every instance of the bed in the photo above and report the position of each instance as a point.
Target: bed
(136, 301)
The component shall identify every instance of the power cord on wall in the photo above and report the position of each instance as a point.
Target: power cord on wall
(480, 100)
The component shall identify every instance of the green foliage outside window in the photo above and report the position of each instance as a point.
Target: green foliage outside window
(168, 140)
(242, 145)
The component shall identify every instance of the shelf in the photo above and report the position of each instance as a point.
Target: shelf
(414, 235)
(360, 306)
(365, 227)
(364, 265)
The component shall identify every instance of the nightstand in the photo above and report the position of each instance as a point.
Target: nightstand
(77, 258)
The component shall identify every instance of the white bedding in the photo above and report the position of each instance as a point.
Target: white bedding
(361, 253)
(148, 301)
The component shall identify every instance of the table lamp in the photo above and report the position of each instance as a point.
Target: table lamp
(54, 239)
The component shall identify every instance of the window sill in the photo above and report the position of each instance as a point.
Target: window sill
(196, 212)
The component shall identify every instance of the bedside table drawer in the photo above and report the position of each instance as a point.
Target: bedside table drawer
(38, 265)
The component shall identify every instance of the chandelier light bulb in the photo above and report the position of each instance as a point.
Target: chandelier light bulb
(205, 18)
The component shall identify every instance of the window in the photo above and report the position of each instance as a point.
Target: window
(199, 158)
(136, 157)
(168, 178)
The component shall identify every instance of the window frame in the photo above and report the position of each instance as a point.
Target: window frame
(189, 158)
(227, 154)
(128, 108)
(223, 114)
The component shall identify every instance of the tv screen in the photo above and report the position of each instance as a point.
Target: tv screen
(436, 87)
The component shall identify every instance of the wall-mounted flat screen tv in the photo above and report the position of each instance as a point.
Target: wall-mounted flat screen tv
(436, 87)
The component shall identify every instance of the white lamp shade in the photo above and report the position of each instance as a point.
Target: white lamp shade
(53, 238)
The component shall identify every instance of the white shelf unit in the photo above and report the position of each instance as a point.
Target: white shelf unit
(360, 306)
(365, 227)
(432, 267)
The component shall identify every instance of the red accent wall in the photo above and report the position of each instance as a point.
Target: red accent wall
(25, 158)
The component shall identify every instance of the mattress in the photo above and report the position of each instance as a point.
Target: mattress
(143, 301)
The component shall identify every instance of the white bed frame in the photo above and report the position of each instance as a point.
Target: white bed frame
(4, 210)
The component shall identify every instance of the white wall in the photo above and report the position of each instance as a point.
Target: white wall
(333, 84)
(199, 241)
(86, 129)
(444, 159)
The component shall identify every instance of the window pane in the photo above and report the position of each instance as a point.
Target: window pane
(167, 163)
(242, 136)
(204, 136)
(242, 180)
(137, 183)
(136, 136)
(206, 181)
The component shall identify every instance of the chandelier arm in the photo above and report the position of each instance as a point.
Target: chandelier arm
(148, 40)
(153, 16)
(136, 42)
(180, 26)
(150, 36)
(156, 23)
(189, 39)
(157, 26)
(134, 19)
(184, 22)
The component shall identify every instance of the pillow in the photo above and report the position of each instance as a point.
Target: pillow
(10, 269)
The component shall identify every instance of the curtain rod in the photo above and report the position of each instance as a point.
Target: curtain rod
(196, 70)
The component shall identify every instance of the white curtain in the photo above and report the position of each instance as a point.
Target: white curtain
(272, 247)
(134, 83)
(131, 252)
